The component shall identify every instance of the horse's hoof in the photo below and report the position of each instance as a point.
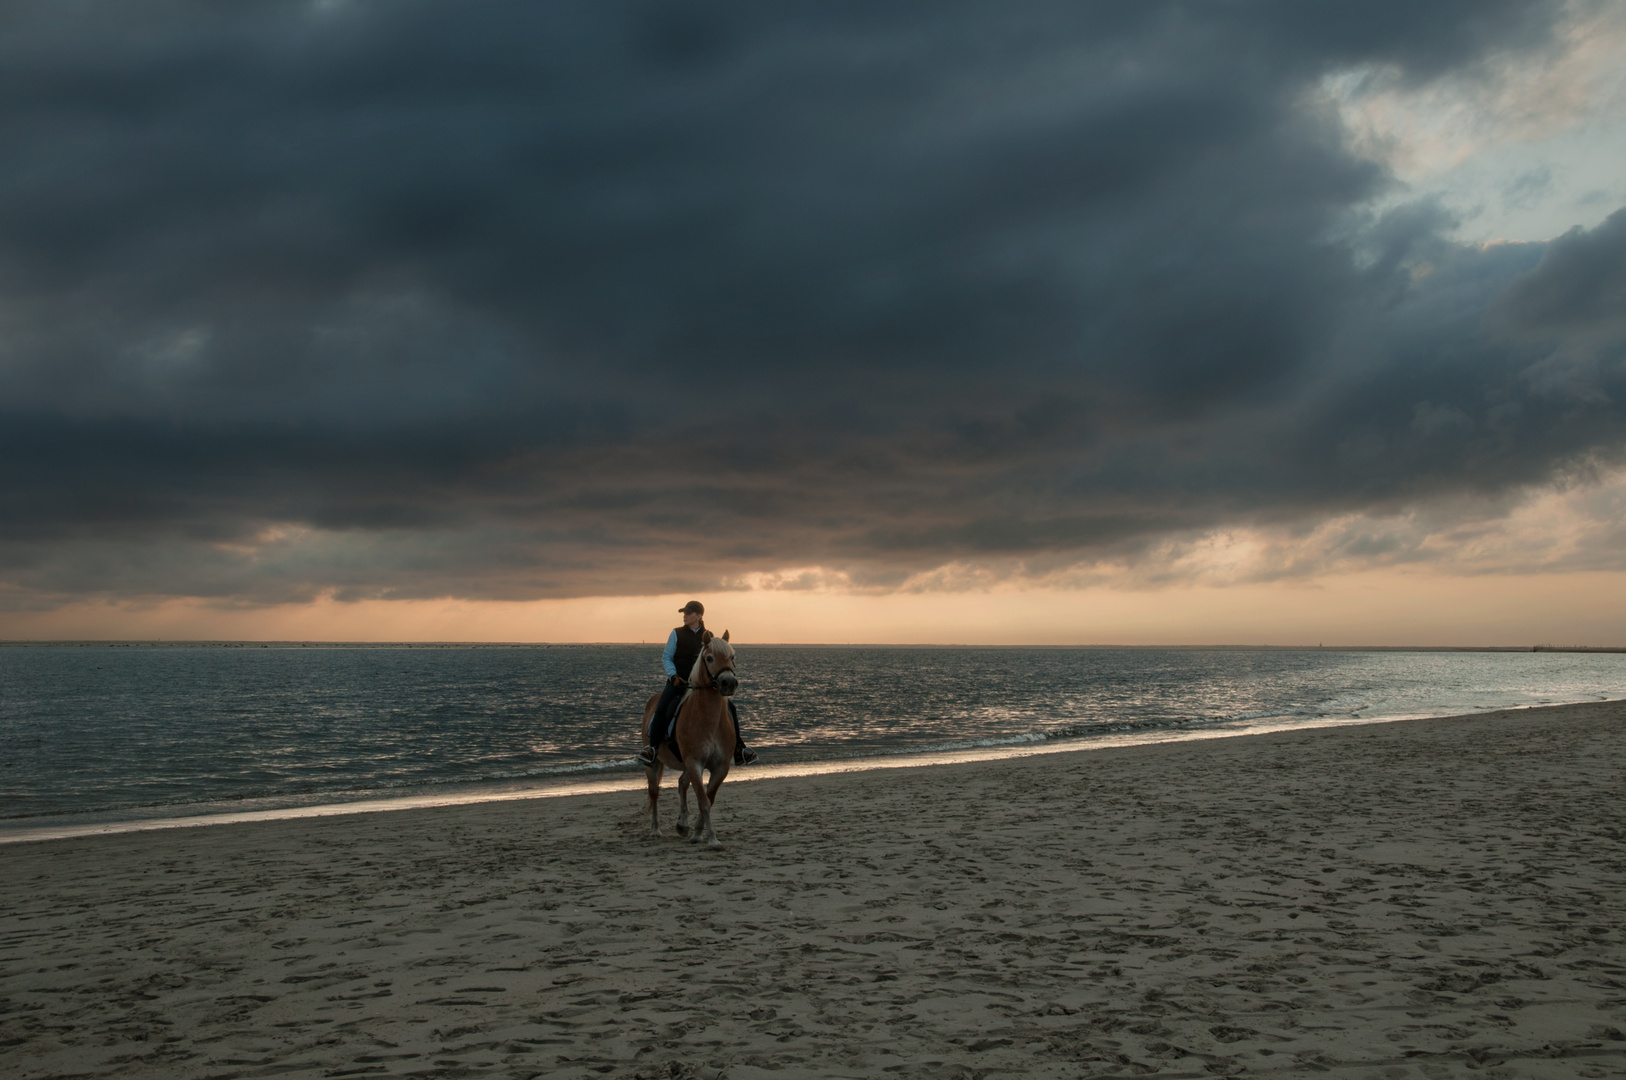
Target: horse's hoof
(683, 830)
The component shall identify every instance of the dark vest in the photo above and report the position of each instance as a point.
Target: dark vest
(688, 649)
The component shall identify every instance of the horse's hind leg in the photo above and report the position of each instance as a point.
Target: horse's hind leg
(653, 806)
(683, 803)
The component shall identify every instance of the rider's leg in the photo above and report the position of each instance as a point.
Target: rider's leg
(666, 712)
(743, 755)
(660, 723)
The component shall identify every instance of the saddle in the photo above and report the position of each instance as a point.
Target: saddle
(662, 728)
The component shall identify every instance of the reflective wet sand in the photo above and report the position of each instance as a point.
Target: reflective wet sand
(632, 779)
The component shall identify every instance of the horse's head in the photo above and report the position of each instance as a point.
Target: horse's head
(717, 659)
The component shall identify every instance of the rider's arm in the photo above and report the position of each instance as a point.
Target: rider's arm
(668, 653)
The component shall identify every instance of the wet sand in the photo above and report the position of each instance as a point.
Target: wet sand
(1423, 899)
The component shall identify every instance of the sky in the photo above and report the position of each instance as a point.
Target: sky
(1051, 323)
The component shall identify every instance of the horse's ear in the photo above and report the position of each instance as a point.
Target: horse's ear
(725, 635)
(705, 636)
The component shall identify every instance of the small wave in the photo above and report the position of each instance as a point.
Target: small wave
(1095, 729)
(314, 794)
(1274, 714)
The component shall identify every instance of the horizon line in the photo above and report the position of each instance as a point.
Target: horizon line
(452, 644)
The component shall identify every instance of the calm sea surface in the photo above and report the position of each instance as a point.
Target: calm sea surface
(122, 733)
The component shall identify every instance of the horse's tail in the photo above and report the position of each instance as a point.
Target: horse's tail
(649, 713)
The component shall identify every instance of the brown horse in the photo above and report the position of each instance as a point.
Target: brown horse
(704, 734)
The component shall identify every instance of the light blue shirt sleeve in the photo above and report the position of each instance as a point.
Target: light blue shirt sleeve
(668, 653)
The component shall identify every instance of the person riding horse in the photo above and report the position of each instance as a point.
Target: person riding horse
(682, 650)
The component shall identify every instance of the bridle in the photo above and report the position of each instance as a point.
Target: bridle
(706, 656)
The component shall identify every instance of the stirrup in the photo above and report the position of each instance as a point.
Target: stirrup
(744, 755)
(647, 757)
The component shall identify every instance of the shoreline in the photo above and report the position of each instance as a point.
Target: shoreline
(569, 785)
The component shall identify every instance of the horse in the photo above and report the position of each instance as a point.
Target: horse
(705, 736)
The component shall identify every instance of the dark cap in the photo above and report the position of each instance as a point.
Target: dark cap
(695, 606)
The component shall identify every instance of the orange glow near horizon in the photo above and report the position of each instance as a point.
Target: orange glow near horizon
(1375, 608)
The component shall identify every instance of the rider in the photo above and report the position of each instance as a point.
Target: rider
(682, 650)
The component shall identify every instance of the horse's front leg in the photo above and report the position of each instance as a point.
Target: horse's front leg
(718, 775)
(683, 803)
(702, 801)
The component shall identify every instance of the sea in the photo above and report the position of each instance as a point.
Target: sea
(109, 737)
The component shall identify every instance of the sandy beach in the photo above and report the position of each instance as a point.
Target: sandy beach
(1422, 899)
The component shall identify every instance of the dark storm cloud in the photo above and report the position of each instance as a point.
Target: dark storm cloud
(417, 298)
(1581, 283)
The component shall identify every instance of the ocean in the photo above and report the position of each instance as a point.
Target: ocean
(141, 733)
